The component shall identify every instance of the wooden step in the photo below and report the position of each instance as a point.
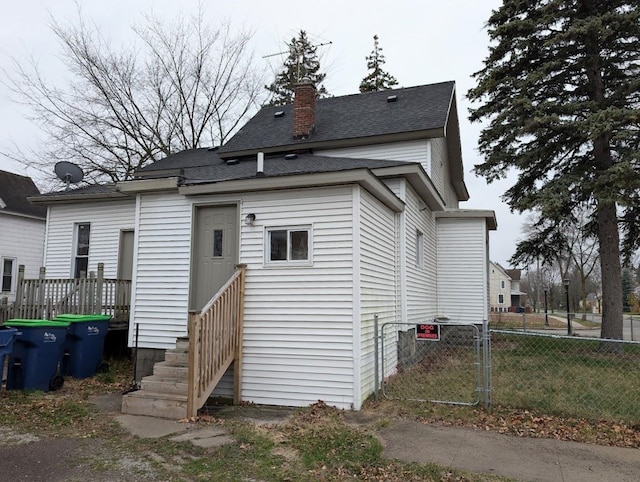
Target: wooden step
(152, 404)
(170, 386)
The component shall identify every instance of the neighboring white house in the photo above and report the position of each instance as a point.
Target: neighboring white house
(504, 288)
(341, 209)
(22, 227)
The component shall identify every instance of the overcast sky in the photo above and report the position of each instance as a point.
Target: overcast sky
(424, 41)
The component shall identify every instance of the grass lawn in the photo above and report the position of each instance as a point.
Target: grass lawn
(316, 443)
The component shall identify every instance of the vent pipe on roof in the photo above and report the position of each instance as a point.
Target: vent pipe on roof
(260, 164)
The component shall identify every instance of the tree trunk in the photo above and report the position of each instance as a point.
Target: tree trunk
(609, 249)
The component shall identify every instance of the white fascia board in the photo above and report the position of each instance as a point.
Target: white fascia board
(421, 183)
(75, 198)
(148, 185)
(489, 215)
(363, 177)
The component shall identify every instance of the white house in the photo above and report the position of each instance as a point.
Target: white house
(504, 288)
(22, 226)
(341, 209)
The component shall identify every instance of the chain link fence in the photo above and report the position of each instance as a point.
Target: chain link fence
(562, 375)
(436, 362)
(468, 364)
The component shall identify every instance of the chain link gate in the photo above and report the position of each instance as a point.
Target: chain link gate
(435, 361)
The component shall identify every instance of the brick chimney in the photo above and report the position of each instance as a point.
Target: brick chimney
(304, 108)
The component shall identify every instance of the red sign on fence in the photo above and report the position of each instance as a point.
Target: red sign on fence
(428, 331)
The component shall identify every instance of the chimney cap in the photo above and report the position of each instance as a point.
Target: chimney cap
(304, 81)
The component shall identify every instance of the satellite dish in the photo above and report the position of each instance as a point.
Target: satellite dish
(68, 172)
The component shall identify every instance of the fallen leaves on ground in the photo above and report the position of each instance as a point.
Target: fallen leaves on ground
(526, 423)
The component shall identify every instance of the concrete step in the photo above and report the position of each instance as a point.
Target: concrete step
(155, 404)
(167, 370)
(182, 345)
(169, 386)
(176, 358)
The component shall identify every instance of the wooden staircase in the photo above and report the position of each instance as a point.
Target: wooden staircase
(163, 394)
(182, 383)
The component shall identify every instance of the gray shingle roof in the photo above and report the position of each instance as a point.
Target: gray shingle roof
(14, 190)
(88, 190)
(348, 117)
(204, 165)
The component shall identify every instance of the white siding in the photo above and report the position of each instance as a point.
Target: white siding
(410, 151)
(161, 274)
(298, 331)
(499, 284)
(298, 335)
(377, 281)
(396, 186)
(440, 172)
(107, 219)
(420, 285)
(462, 269)
(22, 240)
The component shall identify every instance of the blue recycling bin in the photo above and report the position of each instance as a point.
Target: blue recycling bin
(82, 351)
(37, 347)
(6, 345)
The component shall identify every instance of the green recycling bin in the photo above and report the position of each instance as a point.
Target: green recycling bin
(37, 347)
(82, 351)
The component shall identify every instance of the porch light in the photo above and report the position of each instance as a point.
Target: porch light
(250, 219)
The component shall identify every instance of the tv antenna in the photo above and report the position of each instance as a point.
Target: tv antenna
(68, 172)
(299, 55)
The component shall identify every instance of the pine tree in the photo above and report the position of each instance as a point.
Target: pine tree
(377, 79)
(560, 96)
(302, 62)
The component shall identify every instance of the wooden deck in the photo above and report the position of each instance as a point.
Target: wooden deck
(44, 298)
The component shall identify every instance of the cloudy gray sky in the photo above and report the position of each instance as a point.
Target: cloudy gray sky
(424, 41)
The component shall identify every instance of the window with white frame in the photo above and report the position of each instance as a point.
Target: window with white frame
(288, 245)
(8, 266)
(500, 299)
(419, 249)
(502, 284)
(81, 262)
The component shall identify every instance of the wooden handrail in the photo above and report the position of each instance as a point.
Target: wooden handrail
(215, 341)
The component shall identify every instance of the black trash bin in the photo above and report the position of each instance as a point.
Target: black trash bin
(82, 352)
(33, 363)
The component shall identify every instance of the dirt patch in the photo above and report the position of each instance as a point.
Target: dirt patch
(63, 459)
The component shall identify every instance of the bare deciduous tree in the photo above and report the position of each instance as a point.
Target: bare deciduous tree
(180, 85)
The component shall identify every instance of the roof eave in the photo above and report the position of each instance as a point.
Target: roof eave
(363, 177)
(148, 185)
(454, 148)
(23, 215)
(74, 198)
(487, 214)
(418, 179)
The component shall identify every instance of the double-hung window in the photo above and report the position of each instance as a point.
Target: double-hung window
(81, 263)
(8, 265)
(288, 245)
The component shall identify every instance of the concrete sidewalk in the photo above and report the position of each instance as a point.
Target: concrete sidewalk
(477, 451)
(521, 458)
